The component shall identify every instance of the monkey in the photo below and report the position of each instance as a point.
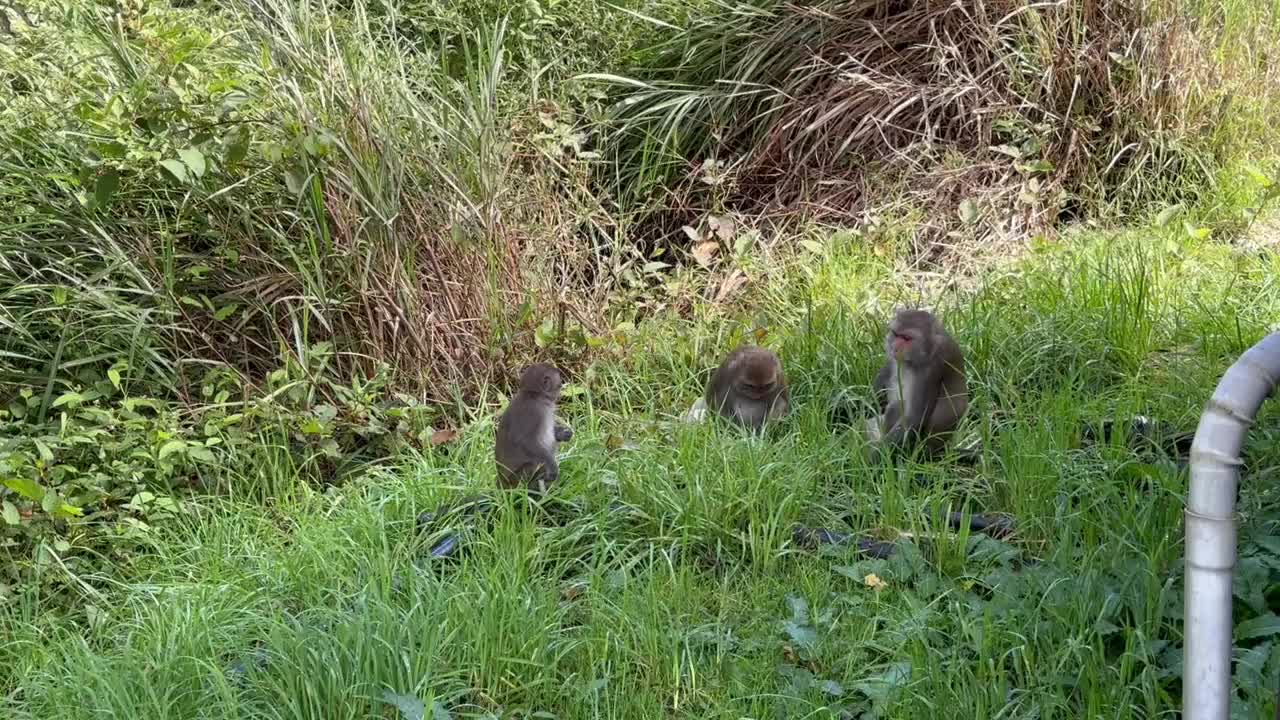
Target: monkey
(525, 445)
(921, 389)
(749, 388)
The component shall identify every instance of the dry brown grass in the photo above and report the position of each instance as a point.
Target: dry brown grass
(1001, 118)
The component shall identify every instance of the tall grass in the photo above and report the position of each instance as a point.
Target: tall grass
(313, 178)
(999, 119)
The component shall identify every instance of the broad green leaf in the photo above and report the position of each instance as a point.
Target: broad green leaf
(176, 169)
(172, 447)
(811, 246)
(410, 707)
(968, 212)
(802, 635)
(1261, 626)
(71, 398)
(193, 159)
(879, 687)
(9, 512)
(114, 376)
(105, 188)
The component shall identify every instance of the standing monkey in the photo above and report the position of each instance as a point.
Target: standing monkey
(921, 389)
(525, 446)
(749, 388)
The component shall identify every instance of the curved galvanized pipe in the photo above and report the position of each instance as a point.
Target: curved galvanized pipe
(1211, 528)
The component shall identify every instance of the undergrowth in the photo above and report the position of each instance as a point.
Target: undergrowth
(668, 580)
(998, 119)
(267, 267)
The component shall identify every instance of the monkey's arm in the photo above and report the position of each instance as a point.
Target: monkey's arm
(781, 405)
(881, 386)
(951, 404)
(918, 408)
(563, 433)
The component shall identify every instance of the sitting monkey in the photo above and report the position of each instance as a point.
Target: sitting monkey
(749, 388)
(921, 389)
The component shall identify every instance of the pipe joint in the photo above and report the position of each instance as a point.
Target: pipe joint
(1211, 527)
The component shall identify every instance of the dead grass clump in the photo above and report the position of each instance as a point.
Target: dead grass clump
(1001, 115)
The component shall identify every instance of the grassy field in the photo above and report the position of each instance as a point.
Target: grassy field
(667, 584)
(267, 268)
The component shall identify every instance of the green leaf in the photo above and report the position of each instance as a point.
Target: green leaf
(295, 178)
(832, 688)
(1261, 626)
(172, 447)
(655, 266)
(25, 487)
(813, 247)
(10, 514)
(410, 707)
(105, 188)
(968, 212)
(1258, 176)
(176, 169)
(45, 453)
(803, 636)
(1166, 215)
(71, 398)
(193, 159)
(114, 376)
(237, 152)
(225, 312)
(878, 688)
(1194, 232)
(49, 503)
(311, 426)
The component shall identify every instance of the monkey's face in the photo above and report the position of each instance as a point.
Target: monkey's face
(757, 385)
(909, 339)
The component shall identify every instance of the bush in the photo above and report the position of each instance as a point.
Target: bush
(1001, 115)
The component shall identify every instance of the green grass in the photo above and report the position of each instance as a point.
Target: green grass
(690, 600)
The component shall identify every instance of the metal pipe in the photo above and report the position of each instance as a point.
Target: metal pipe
(1211, 528)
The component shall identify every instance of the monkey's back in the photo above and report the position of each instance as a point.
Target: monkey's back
(524, 441)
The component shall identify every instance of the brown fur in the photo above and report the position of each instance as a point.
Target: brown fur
(749, 388)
